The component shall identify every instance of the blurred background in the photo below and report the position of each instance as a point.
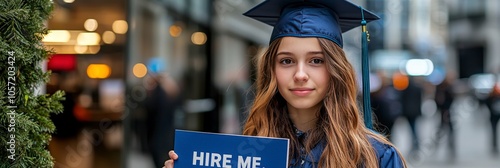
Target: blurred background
(135, 70)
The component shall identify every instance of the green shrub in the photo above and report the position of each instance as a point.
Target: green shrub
(25, 125)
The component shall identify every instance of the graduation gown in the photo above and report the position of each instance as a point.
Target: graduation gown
(387, 156)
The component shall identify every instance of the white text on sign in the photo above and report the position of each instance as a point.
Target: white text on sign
(217, 160)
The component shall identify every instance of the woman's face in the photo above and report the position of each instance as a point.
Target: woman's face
(301, 72)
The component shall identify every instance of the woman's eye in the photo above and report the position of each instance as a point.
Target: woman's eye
(286, 61)
(317, 61)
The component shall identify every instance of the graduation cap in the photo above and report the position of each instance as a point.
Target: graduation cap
(319, 18)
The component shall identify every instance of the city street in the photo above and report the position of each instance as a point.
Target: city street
(472, 131)
(473, 139)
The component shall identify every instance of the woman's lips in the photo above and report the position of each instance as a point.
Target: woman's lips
(301, 91)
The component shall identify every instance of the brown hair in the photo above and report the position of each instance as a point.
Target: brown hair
(340, 123)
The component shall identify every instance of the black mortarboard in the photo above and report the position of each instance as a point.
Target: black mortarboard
(318, 18)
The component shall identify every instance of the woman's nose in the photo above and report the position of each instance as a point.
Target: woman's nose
(301, 73)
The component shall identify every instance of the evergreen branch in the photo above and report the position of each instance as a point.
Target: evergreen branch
(21, 30)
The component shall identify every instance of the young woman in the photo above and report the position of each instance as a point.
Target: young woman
(306, 91)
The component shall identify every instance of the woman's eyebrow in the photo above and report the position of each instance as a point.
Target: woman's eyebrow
(315, 53)
(308, 53)
(284, 53)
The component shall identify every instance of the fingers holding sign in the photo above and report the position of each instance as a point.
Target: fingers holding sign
(170, 163)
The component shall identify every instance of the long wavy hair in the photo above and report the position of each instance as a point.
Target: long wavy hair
(340, 125)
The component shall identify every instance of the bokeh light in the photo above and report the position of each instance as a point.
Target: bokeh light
(120, 26)
(98, 71)
(88, 38)
(108, 37)
(90, 24)
(175, 31)
(139, 70)
(199, 38)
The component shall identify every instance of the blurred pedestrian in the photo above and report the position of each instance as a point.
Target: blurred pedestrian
(444, 97)
(386, 105)
(411, 99)
(160, 105)
(493, 104)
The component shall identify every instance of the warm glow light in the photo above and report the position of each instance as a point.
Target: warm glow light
(94, 49)
(120, 26)
(69, 1)
(57, 36)
(90, 24)
(88, 38)
(400, 81)
(140, 70)
(75, 49)
(98, 71)
(108, 37)
(199, 38)
(175, 30)
(80, 49)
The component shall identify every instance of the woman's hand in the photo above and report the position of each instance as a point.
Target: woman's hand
(170, 163)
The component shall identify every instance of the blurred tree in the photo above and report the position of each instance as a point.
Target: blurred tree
(25, 126)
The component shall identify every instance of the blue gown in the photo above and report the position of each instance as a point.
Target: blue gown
(387, 156)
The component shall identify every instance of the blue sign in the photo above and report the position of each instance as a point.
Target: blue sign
(201, 149)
